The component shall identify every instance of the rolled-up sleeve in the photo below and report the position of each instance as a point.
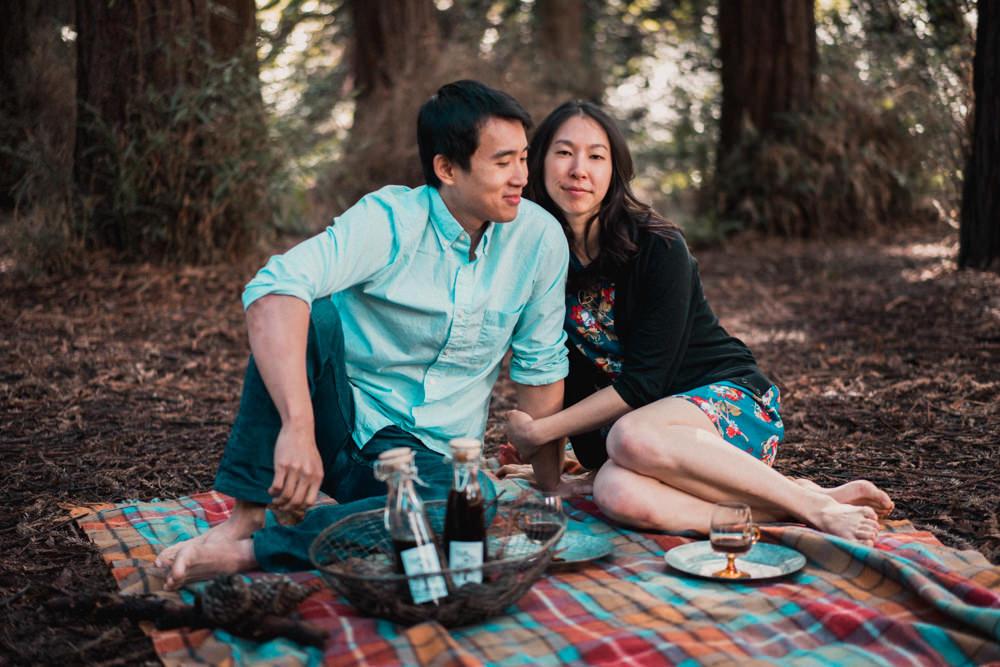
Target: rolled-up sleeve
(539, 342)
(358, 244)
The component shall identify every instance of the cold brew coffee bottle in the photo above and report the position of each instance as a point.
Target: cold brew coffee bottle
(410, 531)
(465, 521)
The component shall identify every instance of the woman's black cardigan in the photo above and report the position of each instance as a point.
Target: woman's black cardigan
(671, 339)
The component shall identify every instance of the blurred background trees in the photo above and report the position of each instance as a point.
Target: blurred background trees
(186, 131)
(980, 237)
(167, 159)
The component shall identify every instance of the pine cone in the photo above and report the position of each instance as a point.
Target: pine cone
(227, 600)
(279, 596)
(230, 600)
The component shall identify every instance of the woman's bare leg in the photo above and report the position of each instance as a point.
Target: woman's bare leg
(674, 442)
(646, 503)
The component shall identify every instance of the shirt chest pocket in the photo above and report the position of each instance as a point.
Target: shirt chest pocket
(498, 327)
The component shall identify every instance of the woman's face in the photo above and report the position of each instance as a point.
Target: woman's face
(578, 168)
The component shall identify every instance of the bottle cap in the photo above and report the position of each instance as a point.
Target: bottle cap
(465, 449)
(396, 456)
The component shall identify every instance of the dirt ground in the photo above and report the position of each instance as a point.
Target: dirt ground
(121, 384)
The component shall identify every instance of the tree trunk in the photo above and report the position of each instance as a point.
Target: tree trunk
(394, 66)
(37, 85)
(979, 243)
(394, 41)
(769, 58)
(145, 87)
(562, 38)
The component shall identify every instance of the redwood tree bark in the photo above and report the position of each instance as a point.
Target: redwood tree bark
(562, 37)
(131, 57)
(394, 41)
(35, 97)
(769, 58)
(394, 66)
(979, 235)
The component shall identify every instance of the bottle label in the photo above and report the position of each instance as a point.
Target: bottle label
(466, 554)
(420, 560)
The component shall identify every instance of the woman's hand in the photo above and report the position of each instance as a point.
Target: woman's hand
(521, 431)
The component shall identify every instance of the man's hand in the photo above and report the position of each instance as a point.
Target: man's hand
(298, 469)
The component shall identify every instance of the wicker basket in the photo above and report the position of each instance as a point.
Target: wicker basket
(356, 558)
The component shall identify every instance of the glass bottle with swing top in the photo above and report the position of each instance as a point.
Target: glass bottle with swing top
(408, 527)
(464, 524)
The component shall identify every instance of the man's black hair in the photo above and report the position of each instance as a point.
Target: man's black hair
(448, 123)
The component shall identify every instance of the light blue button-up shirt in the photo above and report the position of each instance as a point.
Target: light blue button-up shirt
(425, 327)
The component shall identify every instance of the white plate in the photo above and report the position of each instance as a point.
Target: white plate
(763, 561)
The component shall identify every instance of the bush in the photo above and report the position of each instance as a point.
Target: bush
(190, 176)
(843, 168)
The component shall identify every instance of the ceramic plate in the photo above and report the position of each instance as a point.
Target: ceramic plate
(579, 547)
(763, 561)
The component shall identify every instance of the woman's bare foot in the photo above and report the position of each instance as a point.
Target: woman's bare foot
(858, 523)
(197, 560)
(859, 492)
(241, 524)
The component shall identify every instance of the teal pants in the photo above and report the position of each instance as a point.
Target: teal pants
(247, 467)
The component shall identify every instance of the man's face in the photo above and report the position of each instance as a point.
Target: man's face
(498, 171)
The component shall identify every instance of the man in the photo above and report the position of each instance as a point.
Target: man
(386, 330)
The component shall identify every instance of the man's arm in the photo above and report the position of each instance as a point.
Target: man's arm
(360, 243)
(278, 327)
(542, 401)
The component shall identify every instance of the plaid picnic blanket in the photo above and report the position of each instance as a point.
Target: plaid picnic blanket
(908, 600)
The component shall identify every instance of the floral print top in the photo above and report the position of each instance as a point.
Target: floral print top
(590, 324)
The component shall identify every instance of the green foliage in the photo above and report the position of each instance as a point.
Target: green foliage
(898, 70)
(844, 168)
(189, 177)
(37, 126)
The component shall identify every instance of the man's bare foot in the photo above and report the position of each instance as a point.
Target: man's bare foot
(205, 559)
(241, 524)
(859, 492)
(858, 523)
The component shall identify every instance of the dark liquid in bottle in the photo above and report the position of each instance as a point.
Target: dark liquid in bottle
(398, 547)
(465, 520)
(731, 545)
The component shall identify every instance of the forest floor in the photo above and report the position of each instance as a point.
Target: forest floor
(121, 384)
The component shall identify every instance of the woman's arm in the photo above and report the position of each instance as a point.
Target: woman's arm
(662, 287)
(652, 356)
(545, 457)
(601, 408)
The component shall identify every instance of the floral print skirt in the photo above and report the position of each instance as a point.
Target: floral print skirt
(743, 419)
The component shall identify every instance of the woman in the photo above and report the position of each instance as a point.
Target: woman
(669, 410)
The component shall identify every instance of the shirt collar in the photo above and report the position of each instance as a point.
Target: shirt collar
(450, 232)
